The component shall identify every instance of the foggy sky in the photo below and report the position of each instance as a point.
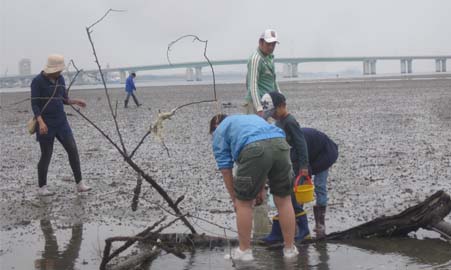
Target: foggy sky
(35, 28)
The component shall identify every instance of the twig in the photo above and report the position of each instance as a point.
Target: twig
(136, 193)
(189, 215)
(158, 125)
(212, 223)
(192, 103)
(71, 62)
(36, 98)
(99, 129)
(88, 31)
(146, 235)
(123, 151)
(115, 109)
(140, 142)
(103, 17)
(205, 55)
(106, 252)
(179, 199)
(170, 223)
(135, 167)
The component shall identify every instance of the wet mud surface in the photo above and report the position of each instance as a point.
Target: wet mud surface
(394, 141)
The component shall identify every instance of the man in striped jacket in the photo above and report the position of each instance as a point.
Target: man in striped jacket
(261, 72)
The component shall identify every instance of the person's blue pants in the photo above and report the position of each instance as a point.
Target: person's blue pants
(134, 99)
(320, 182)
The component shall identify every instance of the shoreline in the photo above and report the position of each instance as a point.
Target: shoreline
(300, 80)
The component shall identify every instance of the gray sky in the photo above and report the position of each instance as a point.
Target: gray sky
(35, 28)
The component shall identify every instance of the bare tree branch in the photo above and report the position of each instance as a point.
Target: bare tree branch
(158, 125)
(103, 17)
(76, 109)
(136, 193)
(140, 142)
(205, 55)
(88, 31)
(146, 177)
(123, 151)
(145, 236)
(189, 215)
(106, 252)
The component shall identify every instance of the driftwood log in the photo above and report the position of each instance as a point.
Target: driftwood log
(428, 215)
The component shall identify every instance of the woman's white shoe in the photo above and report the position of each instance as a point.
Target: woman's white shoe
(81, 187)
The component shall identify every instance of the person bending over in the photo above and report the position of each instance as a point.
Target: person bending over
(260, 152)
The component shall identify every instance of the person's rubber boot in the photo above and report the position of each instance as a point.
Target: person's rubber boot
(125, 103)
(276, 232)
(315, 213)
(302, 230)
(320, 226)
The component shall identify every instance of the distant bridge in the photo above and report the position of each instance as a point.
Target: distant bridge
(194, 69)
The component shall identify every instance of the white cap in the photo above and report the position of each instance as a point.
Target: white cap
(269, 36)
(55, 63)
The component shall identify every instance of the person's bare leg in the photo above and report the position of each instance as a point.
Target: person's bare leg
(286, 219)
(244, 223)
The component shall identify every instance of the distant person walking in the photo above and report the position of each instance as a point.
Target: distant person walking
(48, 95)
(129, 88)
(261, 72)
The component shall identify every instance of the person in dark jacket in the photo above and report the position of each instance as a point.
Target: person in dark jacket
(48, 97)
(129, 88)
(272, 107)
(322, 152)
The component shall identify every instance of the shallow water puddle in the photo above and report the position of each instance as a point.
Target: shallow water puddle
(50, 245)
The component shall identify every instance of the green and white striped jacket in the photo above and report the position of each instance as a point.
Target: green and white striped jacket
(261, 78)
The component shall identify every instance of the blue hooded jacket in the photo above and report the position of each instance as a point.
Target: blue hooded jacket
(130, 84)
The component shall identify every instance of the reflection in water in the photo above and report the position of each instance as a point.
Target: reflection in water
(425, 251)
(323, 256)
(52, 258)
(362, 254)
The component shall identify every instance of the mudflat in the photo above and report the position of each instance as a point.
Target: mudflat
(394, 139)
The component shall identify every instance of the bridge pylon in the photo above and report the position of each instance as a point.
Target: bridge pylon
(198, 71)
(189, 73)
(440, 65)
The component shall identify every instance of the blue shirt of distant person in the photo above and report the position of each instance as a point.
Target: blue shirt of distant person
(130, 83)
(129, 88)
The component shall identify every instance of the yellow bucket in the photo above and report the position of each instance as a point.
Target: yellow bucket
(304, 193)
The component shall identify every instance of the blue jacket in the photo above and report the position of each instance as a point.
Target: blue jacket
(53, 115)
(130, 84)
(237, 131)
(322, 151)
